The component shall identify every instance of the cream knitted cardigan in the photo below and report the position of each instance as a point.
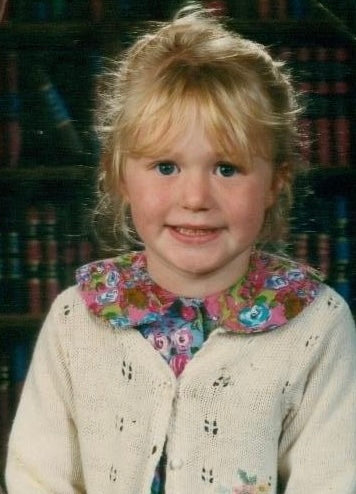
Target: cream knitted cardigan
(247, 413)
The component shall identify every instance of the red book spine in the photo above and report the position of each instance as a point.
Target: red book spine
(264, 9)
(219, 6)
(4, 11)
(33, 260)
(324, 155)
(96, 10)
(342, 118)
(12, 125)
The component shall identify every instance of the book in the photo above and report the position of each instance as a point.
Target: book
(68, 142)
(19, 356)
(5, 404)
(323, 110)
(11, 127)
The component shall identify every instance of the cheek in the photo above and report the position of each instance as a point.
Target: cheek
(147, 209)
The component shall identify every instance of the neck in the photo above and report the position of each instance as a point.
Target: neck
(198, 285)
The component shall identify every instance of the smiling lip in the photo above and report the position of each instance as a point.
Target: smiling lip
(194, 234)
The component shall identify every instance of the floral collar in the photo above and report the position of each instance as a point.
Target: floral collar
(273, 291)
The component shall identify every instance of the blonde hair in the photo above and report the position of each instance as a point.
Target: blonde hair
(193, 63)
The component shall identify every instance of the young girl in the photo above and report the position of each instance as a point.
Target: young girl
(197, 363)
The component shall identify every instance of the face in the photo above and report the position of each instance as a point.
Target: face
(197, 212)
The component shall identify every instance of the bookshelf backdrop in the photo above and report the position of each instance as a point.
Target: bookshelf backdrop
(51, 58)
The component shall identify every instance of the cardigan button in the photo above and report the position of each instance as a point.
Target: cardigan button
(176, 464)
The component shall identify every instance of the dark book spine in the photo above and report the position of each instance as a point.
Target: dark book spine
(59, 10)
(51, 282)
(2, 273)
(298, 9)
(15, 295)
(342, 252)
(40, 10)
(2, 109)
(5, 404)
(20, 353)
(281, 10)
(96, 10)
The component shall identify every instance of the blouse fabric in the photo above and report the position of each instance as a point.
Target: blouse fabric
(266, 405)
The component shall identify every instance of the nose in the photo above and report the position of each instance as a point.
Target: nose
(195, 192)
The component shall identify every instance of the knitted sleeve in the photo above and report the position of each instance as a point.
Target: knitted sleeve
(43, 455)
(318, 445)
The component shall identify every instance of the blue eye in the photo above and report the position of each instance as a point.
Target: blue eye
(226, 170)
(166, 168)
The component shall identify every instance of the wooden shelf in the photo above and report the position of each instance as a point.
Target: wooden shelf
(294, 31)
(47, 174)
(45, 34)
(75, 34)
(20, 322)
(334, 181)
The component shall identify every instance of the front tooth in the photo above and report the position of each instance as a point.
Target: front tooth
(191, 231)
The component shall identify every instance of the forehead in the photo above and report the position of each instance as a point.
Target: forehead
(172, 128)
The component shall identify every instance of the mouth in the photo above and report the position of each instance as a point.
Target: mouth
(194, 234)
(194, 231)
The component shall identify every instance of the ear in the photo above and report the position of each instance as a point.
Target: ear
(122, 190)
(281, 178)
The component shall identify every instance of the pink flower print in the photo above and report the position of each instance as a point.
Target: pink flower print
(244, 489)
(188, 313)
(182, 339)
(178, 363)
(160, 342)
(278, 317)
(212, 306)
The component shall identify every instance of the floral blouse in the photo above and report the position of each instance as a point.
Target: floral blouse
(120, 290)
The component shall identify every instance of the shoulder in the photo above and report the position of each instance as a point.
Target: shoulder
(324, 327)
(329, 308)
(66, 303)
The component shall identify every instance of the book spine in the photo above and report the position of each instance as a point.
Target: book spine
(33, 257)
(2, 109)
(59, 10)
(323, 111)
(342, 117)
(51, 282)
(40, 10)
(342, 255)
(264, 9)
(70, 140)
(19, 357)
(5, 404)
(15, 293)
(298, 9)
(2, 274)
(4, 11)
(219, 7)
(281, 10)
(96, 10)
(12, 128)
